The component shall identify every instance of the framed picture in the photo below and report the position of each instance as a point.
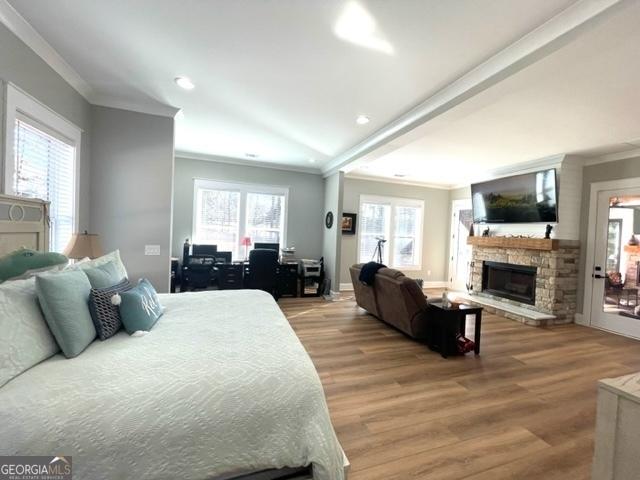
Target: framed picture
(349, 223)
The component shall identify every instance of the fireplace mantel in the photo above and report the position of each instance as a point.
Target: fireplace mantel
(547, 244)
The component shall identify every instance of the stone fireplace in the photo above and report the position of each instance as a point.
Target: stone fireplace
(533, 281)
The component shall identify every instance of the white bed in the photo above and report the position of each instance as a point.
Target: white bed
(204, 395)
(220, 388)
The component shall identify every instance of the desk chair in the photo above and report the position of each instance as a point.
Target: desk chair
(263, 271)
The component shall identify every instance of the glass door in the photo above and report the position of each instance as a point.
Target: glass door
(460, 259)
(616, 272)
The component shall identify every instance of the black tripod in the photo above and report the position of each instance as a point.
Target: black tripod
(377, 253)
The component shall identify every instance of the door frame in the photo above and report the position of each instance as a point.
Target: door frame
(590, 260)
(457, 204)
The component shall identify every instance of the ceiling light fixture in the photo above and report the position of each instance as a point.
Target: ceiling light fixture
(251, 155)
(312, 160)
(399, 175)
(184, 82)
(362, 120)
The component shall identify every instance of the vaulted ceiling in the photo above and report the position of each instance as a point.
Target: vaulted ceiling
(283, 81)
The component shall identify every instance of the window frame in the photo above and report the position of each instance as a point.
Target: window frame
(244, 189)
(394, 202)
(22, 106)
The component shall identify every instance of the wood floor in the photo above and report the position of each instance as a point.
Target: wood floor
(524, 409)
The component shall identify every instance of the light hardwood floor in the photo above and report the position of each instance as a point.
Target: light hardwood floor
(524, 409)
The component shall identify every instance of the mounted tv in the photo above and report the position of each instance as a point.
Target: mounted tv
(528, 198)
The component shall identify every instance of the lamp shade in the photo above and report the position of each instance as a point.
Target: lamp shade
(83, 245)
(245, 241)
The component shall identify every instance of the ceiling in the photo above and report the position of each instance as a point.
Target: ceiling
(275, 81)
(582, 98)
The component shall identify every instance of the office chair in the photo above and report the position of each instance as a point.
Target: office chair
(263, 271)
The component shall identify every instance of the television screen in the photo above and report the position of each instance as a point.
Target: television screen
(527, 198)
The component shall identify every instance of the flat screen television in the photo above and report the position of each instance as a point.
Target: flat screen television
(527, 198)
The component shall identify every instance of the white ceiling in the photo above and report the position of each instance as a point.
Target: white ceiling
(273, 79)
(583, 98)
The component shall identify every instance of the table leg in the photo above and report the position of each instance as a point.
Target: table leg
(477, 330)
(463, 325)
(444, 349)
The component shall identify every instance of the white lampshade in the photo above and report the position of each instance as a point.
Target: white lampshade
(83, 245)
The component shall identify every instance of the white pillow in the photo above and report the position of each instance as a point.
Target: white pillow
(25, 338)
(96, 262)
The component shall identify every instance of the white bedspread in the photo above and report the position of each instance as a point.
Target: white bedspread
(220, 386)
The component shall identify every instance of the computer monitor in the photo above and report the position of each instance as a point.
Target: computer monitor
(204, 250)
(268, 246)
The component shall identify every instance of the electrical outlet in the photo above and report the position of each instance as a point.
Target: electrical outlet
(152, 249)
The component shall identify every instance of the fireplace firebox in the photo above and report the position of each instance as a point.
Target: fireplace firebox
(506, 280)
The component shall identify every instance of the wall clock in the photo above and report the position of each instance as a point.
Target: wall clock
(328, 220)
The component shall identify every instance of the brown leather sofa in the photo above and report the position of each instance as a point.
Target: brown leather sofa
(395, 299)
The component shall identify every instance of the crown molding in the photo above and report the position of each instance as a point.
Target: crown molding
(25, 32)
(613, 157)
(150, 108)
(245, 163)
(535, 45)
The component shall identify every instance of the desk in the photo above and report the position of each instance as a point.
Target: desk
(232, 275)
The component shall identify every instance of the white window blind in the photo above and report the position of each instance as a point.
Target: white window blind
(397, 220)
(265, 220)
(218, 219)
(44, 167)
(226, 212)
(374, 224)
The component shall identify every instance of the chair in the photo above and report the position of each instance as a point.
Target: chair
(198, 268)
(263, 270)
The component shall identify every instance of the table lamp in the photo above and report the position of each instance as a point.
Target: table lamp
(83, 245)
(246, 242)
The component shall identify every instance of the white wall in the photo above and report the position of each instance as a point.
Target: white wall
(131, 189)
(306, 204)
(331, 251)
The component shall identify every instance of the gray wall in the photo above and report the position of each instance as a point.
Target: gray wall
(21, 66)
(304, 218)
(602, 172)
(131, 188)
(331, 249)
(436, 222)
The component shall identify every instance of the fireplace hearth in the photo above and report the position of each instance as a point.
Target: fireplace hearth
(513, 282)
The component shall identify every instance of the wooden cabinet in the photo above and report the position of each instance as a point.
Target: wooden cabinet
(288, 279)
(230, 276)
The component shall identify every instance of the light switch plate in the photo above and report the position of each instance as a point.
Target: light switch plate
(152, 249)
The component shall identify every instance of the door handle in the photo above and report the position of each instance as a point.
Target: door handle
(597, 275)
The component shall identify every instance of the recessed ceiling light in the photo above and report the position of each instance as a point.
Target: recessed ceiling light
(399, 175)
(251, 155)
(362, 120)
(185, 82)
(312, 160)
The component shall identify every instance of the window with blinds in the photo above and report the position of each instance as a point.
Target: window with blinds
(399, 222)
(225, 212)
(44, 167)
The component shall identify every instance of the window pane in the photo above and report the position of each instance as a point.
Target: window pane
(265, 218)
(374, 222)
(44, 168)
(405, 235)
(218, 219)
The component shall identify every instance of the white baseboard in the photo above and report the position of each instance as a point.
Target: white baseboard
(579, 318)
(435, 284)
(346, 287)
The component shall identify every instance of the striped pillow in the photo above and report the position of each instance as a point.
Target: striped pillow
(103, 305)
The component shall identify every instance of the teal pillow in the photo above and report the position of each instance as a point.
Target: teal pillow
(104, 275)
(64, 298)
(140, 307)
(22, 261)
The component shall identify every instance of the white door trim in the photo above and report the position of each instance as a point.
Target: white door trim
(458, 204)
(589, 263)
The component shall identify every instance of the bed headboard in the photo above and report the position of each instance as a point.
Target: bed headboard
(24, 222)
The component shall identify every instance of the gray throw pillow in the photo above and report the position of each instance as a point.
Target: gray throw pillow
(103, 276)
(64, 299)
(103, 305)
